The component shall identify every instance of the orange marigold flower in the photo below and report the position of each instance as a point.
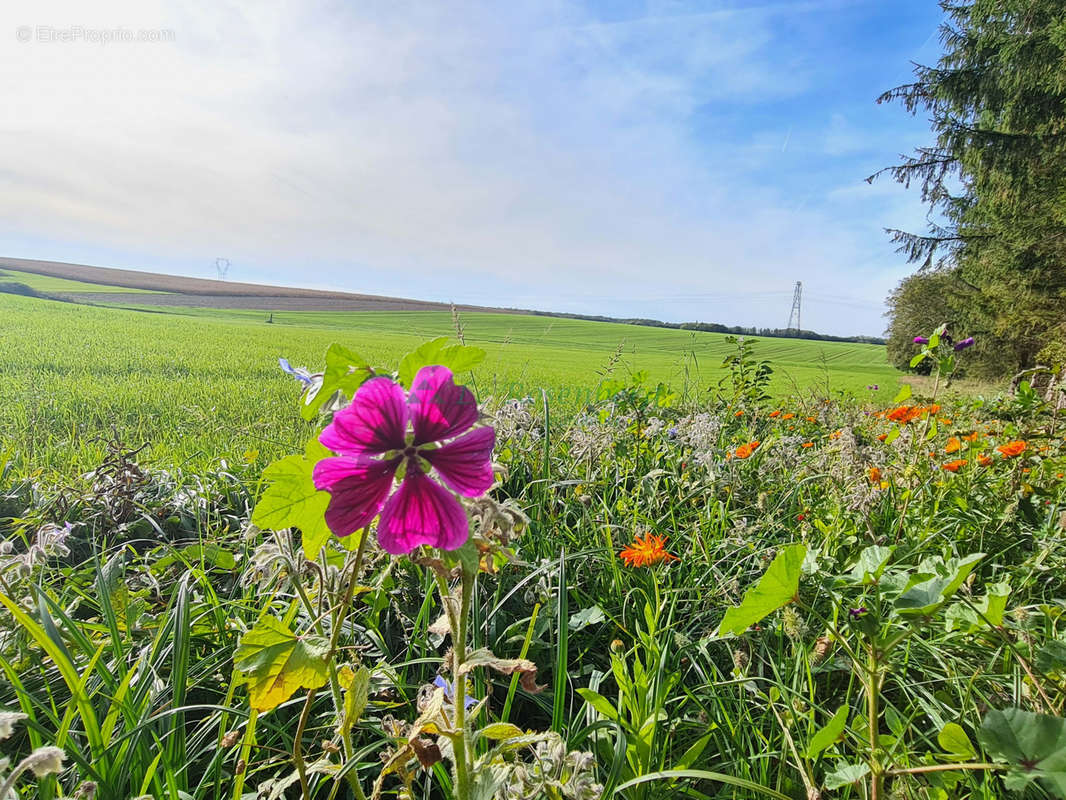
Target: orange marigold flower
(900, 414)
(945, 421)
(953, 466)
(789, 415)
(882, 436)
(807, 444)
(953, 446)
(971, 437)
(746, 450)
(984, 460)
(812, 419)
(776, 413)
(835, 435)
(875, 474)
(1012, 449)
(647, 551)
(739, 414)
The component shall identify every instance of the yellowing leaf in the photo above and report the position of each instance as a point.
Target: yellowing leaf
(276, 663)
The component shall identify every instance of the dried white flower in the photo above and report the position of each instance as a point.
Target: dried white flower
(7, 722)
(45, 761)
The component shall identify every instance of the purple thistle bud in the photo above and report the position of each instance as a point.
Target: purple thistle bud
(920, 340)
(967, 342)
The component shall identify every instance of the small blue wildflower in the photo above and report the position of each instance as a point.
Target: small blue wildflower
(449, 692)
(672, 433)
(300, 373)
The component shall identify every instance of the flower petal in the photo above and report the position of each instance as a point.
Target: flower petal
(374, 422)
(464, 463)
(357, 489)
(439, 408)
(421, 512)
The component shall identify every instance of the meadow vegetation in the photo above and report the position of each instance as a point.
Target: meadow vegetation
(669, 590)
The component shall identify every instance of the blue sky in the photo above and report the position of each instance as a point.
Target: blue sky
(674, 160)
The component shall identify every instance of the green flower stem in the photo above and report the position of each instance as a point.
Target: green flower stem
(458, 625)
(873, 712)
(334, 681)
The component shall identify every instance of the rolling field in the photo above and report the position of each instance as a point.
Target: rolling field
(203, 384)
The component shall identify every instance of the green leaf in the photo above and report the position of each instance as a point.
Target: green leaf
(934, 584)
(892, 436)
(955, 741)
(694, 751)
(933, 429)
(499, 731)
(345, 372)
(276, 663)
(829, 734)
(918, 359)
(777, 587)
(456, 357)
(1052, 657)
(291, 501)
(585, 617)
(904, 393)
(599, 702)
(845, 775)
(356, 691)
(1033, 744)
(872, 562)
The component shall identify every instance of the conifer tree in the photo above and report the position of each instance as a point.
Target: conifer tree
(995, 177)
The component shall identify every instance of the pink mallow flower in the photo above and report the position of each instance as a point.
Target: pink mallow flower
(383, 431)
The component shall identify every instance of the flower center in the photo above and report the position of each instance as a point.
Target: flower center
(410, 452)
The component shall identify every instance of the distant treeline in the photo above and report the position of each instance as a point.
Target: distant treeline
(714, 327)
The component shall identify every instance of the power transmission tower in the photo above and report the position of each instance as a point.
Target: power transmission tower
(222, 267)
(797, 296)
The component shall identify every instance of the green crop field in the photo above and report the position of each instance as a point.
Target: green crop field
(198, 385)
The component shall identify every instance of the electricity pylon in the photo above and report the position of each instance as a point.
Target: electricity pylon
(797, 296)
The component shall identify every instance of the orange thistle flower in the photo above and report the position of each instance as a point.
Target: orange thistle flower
(984, 460)
(953, 466)
(776, 413)
(875, 474)
(746, 450)
(647, 551)
(1012, 449)
(953, 446)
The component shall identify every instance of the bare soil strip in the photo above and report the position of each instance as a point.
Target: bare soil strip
(201, 292)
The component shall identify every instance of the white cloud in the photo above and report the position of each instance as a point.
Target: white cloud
(505, 153)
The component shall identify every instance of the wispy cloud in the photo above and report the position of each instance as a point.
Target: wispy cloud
(556, 154)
